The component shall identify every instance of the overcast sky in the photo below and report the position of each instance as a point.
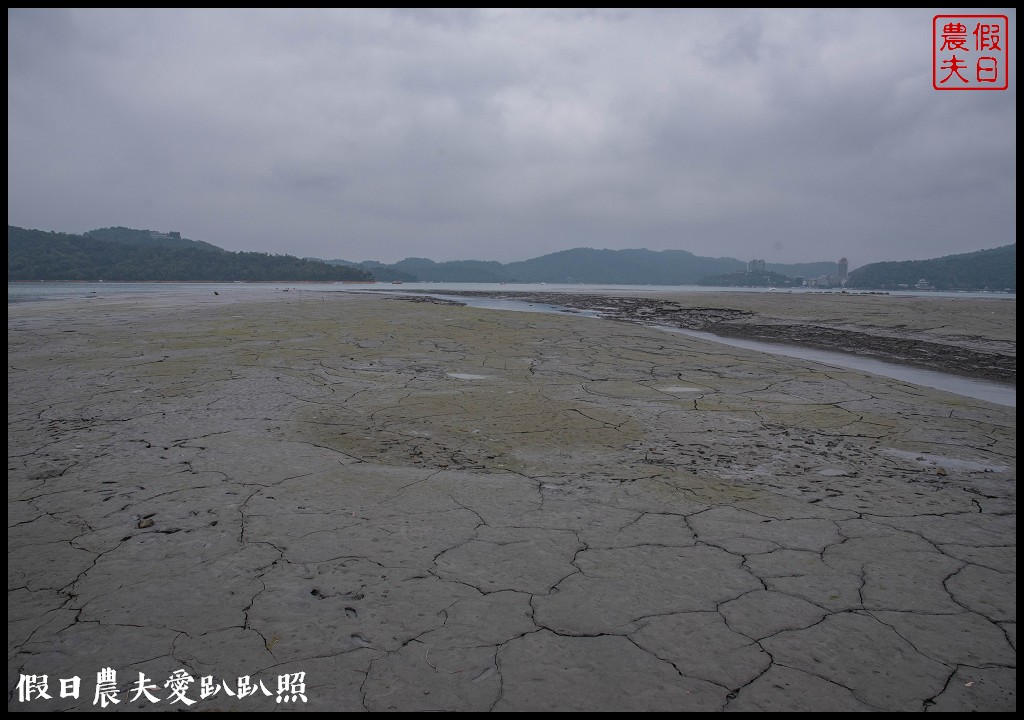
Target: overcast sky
(787, 135)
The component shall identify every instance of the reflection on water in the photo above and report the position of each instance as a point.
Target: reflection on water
(993, 392)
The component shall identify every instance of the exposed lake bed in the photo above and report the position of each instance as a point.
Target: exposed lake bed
(425, 506)
(969, 336)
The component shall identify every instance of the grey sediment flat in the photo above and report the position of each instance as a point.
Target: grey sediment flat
(967, 335)
(431, 507)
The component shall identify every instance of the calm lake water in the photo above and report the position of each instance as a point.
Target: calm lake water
(998, 393)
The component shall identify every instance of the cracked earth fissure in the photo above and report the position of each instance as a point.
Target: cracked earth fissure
(488, 511)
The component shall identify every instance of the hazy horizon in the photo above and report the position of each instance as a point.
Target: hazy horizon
(789, 135)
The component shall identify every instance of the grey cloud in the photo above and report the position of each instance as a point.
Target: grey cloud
(796, 135)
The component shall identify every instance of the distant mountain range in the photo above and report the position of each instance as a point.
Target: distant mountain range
(584, 265)
(124, 254)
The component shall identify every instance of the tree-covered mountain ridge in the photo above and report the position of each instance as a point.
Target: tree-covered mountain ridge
(994, 269)
(123, 254)
(583, 265)
(126, 254)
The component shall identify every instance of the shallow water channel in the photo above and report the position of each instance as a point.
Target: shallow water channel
(993, 392)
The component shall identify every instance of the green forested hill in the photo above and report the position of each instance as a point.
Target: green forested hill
(994, 269)
(124, 254)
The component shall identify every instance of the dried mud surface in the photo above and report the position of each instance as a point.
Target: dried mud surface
(963, 336)
(433, 507)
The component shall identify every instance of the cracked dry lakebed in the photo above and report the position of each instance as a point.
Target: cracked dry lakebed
(415, 506)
